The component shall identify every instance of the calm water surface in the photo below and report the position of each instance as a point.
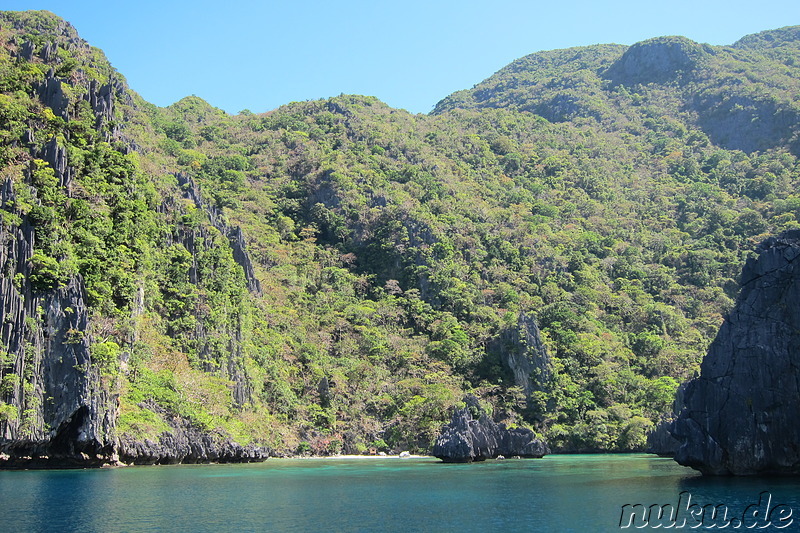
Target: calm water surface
(557, 493)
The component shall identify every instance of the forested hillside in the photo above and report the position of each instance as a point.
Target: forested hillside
(561, 241)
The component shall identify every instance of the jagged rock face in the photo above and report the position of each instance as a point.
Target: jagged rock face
(56, 156)
(188, 445)
(26, 50)
(740, 415)
(54, 406)
(52, 95)
(190, 238)
(16, 250)
(80, 411)
(233, 233)
(660, 440)
(54, 409)
(242, 258)
(466, 439)
(524, 354)
(58, 406)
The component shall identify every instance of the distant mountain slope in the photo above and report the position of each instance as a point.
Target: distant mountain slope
(779, 43)
(742, 96)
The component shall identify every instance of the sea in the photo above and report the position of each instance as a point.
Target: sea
(582, 493)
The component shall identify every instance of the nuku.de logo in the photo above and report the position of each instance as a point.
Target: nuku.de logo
(689, 515)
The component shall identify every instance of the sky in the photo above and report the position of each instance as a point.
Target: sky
(246, 54)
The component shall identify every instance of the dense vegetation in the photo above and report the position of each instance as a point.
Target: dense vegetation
(611, 192)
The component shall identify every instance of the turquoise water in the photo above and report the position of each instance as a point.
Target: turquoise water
(557, 493)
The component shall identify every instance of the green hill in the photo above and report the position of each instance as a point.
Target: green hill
(562, 241)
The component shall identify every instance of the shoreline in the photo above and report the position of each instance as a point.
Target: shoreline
(33, 465)
(352, 456)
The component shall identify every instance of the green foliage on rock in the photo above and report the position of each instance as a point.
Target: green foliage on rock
(335, 275)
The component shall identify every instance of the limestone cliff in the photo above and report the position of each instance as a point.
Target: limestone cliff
(184, 443)
(54, 407)
(740, 415)
(60, 385)
(467, 439)
(660, 440)
(524, 355)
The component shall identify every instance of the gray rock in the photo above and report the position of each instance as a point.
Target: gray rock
(466, 439)
(187, 444)
(658, 60)
(26, 50)
(747, 122)
(102, 99)
(740, 414)
(242, 258)
(660, 440)
(52, 95)
(234, 233)
(61, 414)
(49, 52)
(56, 156)
(524, 354)
(57, 411)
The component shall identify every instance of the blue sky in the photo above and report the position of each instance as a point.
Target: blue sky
(241, 54)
